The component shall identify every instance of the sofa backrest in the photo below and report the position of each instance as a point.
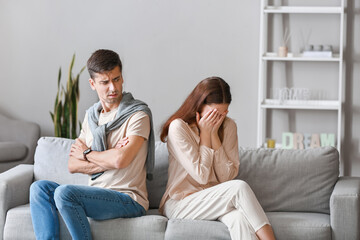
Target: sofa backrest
(156, 187)
(51, 161)
(291, 180)
(282, 180)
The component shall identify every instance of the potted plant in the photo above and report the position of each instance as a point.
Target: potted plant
(64, 116)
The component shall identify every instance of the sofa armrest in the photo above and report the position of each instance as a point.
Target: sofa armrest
(14, 190)
(345, 209)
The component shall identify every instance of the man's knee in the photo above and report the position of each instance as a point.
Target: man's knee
(41, 188)
(64, 194)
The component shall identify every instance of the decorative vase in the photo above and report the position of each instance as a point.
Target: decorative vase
(283, 51)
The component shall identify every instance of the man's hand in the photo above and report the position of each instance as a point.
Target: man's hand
(77, 150)
(122, 142)
(120, 156)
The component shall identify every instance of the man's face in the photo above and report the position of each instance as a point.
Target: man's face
(108, 86)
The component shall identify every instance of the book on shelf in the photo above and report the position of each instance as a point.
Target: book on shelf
(317, 54)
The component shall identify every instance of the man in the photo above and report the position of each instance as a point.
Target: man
(115, 147)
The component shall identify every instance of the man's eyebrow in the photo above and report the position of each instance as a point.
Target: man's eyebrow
(116, 77)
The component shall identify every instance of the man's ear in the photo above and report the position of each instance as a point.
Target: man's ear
(92, 84)
(122, 79)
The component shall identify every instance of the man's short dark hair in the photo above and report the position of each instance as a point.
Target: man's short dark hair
(103, 60)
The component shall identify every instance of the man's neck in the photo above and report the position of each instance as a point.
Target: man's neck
(108, 107)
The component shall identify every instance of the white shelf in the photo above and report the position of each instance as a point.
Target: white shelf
(272, 56)
(266, 56)
(301, 104)
(290, 9)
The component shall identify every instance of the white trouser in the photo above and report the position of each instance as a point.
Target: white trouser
(232, 202)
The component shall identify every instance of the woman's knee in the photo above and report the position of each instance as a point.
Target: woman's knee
(241, 185)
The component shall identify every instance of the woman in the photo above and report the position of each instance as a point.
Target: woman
(203, 160)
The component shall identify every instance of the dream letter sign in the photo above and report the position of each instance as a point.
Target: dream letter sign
(306, 140)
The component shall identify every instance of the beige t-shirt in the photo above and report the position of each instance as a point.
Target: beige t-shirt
(194, 167)
(132, 179)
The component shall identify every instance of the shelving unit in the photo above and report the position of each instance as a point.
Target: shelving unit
(265, 103)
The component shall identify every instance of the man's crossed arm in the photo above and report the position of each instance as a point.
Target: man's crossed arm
(119, 157)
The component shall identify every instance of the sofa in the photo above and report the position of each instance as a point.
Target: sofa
(300, 191)
(17, 142)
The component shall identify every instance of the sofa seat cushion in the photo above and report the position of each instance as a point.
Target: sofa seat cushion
(18, 225)
(153, 212)
(12, 151)
(180, 229)
(149, 227)
(296, 225)
(286, 180)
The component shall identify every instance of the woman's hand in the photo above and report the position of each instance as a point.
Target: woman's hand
(207, 122)
(77, 149)
(218, 122)
(215, 140)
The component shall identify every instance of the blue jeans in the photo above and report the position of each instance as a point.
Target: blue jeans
(75, 203)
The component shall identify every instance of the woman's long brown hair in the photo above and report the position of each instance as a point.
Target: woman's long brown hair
(208, 91)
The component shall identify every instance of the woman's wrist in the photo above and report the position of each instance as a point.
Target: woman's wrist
(205, 138)
(215, 140)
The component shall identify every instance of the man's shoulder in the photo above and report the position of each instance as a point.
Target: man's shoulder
(138, 124)
(139, 116)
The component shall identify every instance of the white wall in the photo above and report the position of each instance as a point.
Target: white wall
(167, 47)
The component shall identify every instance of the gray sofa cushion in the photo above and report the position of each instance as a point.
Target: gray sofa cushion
(157, 186)
(12, 151)
(51, 161)
(19, 226)
(149, 227)
(291, 180)
(290, 225)
(180, 229)
(287, 225)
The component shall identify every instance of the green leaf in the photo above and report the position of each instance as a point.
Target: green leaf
(66, 117)
(58, 116)
(52, 116)
(69, 83)
(73, 117)
(59, 77)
